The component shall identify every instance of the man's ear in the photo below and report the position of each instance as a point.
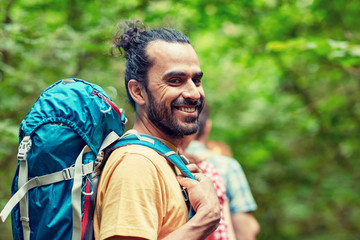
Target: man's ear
(137, 91)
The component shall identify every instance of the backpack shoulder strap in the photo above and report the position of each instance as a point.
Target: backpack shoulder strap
(132, 137)
(148, 141)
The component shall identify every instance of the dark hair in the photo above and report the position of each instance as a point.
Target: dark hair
(203, 117)
(133, 38)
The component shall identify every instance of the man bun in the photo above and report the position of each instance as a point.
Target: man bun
(126, 35)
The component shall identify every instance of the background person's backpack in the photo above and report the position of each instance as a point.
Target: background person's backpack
(62, 138)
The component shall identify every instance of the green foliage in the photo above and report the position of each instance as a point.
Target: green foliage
(282, 79)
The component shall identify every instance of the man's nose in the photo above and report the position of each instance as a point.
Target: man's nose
(191, 91)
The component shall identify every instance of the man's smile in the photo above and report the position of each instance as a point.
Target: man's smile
(187, 109)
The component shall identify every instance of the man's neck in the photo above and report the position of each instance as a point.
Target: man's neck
(152, 130)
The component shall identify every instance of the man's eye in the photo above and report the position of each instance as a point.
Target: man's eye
(174, 80)
(197, 81)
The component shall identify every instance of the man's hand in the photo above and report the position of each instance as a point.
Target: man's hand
(193, 168)
(203, 199)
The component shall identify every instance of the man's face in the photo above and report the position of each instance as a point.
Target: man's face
(174, 89)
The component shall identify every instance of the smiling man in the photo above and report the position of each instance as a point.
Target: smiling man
(139, 192)
(173, 97)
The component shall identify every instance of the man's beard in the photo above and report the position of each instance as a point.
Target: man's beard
(164, 119)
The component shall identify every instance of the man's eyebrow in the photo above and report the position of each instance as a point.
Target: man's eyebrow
(174, 74)
(198, 74)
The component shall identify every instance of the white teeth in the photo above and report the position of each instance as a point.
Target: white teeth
(189, 110)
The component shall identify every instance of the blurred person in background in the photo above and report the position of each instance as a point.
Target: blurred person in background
(219, 148)
(225, 229)
(238, 192)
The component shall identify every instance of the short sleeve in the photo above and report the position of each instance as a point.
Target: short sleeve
(238, 189)
(132, 200)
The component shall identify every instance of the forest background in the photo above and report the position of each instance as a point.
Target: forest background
(282, 78)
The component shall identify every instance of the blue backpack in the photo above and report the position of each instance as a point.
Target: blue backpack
(61, 142)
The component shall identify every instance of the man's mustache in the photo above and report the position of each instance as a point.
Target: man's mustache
(197, 103)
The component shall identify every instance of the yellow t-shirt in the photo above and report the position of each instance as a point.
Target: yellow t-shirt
(138, 195)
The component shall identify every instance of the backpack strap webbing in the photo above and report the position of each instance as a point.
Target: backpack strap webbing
(76, 195)
(24, 148)
(63, 175)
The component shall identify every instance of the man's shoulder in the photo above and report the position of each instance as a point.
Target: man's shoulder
(137, 154)
(135, 149)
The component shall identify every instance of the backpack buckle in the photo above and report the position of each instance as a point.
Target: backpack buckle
(24, 148)
(185, 194)
(24, 219)
(66, 174)
(184, 159)
(186, 197)
(124, 122)
(100, 156)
